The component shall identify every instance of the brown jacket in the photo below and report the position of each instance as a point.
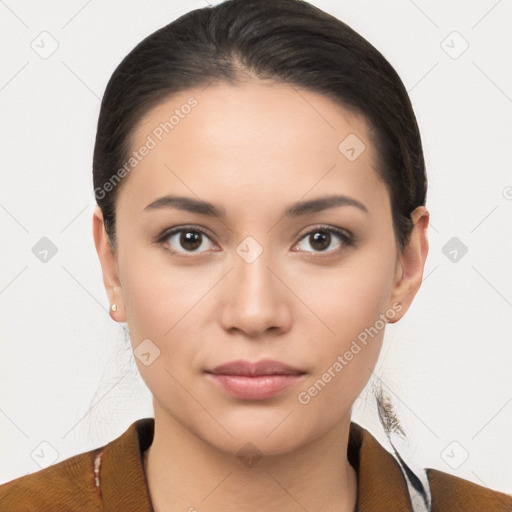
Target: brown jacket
(111, 478)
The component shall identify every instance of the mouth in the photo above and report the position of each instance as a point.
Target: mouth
(254, 381)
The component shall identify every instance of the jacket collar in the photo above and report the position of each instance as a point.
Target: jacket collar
(381, 483)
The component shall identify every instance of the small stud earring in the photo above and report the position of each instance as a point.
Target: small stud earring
(113, 307)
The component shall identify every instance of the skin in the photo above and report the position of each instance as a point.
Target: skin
(254, 149)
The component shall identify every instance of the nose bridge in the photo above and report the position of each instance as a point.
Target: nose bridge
(252, 277)
(254, 300)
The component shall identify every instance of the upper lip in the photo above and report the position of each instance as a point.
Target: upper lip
(247, 368)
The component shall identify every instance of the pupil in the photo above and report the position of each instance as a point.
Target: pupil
(321, 240)
(190, 240)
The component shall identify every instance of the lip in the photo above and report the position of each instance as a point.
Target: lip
(255, 381)
(259, 368)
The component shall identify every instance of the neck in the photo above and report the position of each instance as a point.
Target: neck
(184, 473)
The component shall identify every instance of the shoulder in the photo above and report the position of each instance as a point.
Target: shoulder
(110, 477)
(388, 482)
(452, 493)
(65, 485)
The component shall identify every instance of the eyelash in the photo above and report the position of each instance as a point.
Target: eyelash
(347, 239)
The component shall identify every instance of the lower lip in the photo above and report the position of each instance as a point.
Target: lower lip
(255, 388)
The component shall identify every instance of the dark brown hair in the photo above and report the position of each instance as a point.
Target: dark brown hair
(288, 41)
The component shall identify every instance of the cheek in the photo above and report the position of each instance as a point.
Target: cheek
(348, 300)
(156, 295)
(351, 304)
(165, 305)
(159, 316)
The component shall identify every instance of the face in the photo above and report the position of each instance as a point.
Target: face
(294, 261)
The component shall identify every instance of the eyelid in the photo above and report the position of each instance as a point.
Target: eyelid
(167, 233)
(346, 237)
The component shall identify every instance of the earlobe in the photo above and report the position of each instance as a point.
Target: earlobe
(109, 268)
(411, 263)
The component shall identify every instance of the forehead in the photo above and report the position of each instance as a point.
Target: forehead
(248, 139)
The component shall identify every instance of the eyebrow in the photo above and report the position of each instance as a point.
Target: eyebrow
(295, 210)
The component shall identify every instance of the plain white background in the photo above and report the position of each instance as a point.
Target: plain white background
(67, 379)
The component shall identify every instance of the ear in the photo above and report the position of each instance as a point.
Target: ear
(410, 264)
(109, 268)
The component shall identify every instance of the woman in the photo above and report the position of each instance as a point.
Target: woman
(261, 206)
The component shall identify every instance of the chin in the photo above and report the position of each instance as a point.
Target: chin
(249, 442)
(271, 431)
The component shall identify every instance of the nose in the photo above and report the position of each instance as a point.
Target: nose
(256, 302)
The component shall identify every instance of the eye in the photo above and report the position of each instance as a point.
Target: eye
(325, 239)
(186, 240)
